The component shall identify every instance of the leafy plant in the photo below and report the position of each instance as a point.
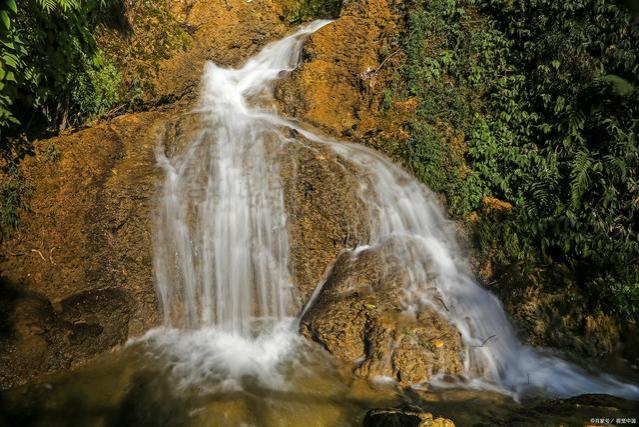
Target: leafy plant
(14, 195)
(533, 103)
(48, 56)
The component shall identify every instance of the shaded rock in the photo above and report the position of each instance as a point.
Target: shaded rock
(552, 310)
(76, 277)
(481, 408)
(359, 317)
(579, 410)
(324, 211)
(403, 417)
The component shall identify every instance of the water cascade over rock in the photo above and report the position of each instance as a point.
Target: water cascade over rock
(399, 304)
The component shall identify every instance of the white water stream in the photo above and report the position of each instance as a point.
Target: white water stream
(222, 253)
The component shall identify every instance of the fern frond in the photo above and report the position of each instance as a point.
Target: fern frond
(579, 176)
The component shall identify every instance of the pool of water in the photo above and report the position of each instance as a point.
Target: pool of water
(146, 383)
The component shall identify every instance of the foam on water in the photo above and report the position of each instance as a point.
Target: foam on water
(214, 359)
(222, 251)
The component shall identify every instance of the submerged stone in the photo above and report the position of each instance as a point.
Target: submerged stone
(403, 417)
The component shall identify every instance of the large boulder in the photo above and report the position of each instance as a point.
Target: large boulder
(359, 317)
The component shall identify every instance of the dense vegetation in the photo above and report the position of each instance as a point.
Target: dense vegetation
(533, 103)
(51, 65)
(52, 74)
(306, 10)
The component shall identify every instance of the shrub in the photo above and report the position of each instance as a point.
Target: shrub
(542, 95)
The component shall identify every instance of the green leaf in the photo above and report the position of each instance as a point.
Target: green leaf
(10, 59)
(620, 86)
(5, 19)
(12, 5)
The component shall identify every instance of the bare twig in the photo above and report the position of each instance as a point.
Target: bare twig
(114, 110)
(485, 341)
(442, 303)
(51, 255)
(39, 253)
(385, 60)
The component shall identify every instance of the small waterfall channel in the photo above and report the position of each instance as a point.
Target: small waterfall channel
(222, 251)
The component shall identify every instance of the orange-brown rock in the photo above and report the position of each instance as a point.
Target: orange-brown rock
(76, 278)
(226, 32)
(404, 417)
(348, 65)
(359, 317)
(492, 203)
(324, 211)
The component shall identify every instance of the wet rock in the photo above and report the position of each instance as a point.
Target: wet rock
(403, 417)
(76, 277)
(324, 211)
(587, 409)
(340, 88)
(553, 311)
(359, 317)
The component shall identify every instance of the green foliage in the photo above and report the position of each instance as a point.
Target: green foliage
(50, 64)
(544, 93)
(150, 35)
(50, 153)
(97, 90)
(14, 194)
(307, 10)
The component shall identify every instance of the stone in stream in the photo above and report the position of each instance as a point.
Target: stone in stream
(359, 317)
(403, 417)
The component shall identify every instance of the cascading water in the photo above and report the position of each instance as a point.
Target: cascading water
(221, 253)
(221, 248)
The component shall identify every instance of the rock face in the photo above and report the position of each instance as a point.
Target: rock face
(226, 32)
(555, 312)
(341, 88)
(324, 211)
(358, 316)
(76, 277)
(337, 86)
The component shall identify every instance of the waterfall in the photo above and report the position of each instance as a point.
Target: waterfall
(222, 252)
